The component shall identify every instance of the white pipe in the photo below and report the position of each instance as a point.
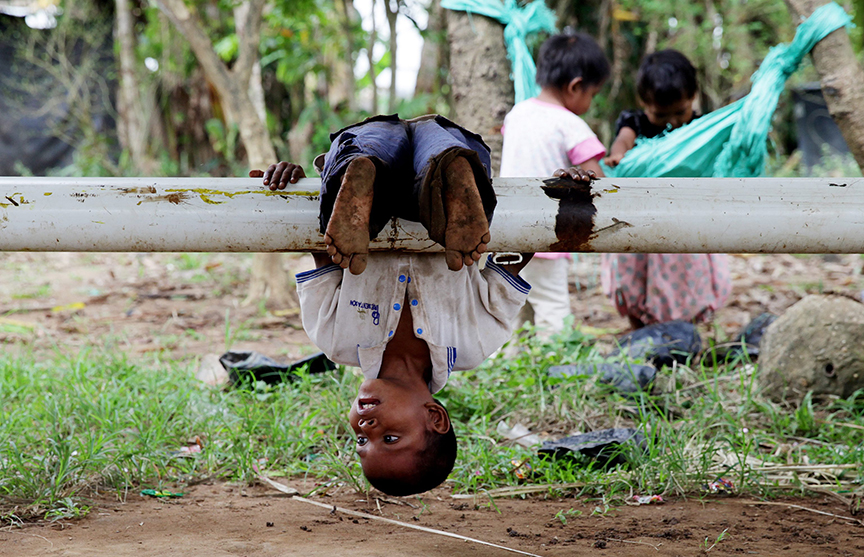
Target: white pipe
(754, 215)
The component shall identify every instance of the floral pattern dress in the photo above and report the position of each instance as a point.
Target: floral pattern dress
(660, 287)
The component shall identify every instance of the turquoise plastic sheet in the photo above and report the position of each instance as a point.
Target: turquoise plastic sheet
(518, 22)
(732, 141)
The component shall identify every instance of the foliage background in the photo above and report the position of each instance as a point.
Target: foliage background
(307, 51)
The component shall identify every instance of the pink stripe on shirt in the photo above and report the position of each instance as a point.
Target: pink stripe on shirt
(589, 149)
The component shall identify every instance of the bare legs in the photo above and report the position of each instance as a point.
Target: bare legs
(466, 233)
(347, 235)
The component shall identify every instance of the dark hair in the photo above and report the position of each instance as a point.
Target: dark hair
(666, 77)
(434, 464)
(566, 56)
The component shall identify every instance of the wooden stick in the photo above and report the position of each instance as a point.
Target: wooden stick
(518, 490)
(656, 547)
(803, 467)
(791, 506)
(841, 424)
(333, 508)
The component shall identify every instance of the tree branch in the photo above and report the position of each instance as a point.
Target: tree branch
(189, 24)
(842, 80)
(249, 40)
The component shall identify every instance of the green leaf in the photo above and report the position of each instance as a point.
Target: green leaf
(227, 47)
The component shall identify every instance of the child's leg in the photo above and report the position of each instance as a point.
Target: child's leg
(453, 192)
(347, 233)
(363, 163)
(467, 230)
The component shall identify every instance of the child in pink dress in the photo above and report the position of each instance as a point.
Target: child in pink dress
(656, 287)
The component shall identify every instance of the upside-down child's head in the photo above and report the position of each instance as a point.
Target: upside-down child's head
(405, 439)
(667, 85)
(573, 66)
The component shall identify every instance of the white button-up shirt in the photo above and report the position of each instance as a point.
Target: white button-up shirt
(463, 316)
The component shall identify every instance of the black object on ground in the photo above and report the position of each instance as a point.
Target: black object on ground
(626, 378)
(747, 340)
(254, 366)
(606, 446)
(662, 343)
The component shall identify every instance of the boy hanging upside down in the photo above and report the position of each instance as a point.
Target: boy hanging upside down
(407, 320)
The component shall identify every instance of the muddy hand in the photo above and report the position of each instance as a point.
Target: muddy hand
(278, 176)
(576, 174)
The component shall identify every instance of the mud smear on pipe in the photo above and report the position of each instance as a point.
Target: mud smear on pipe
(574, 222)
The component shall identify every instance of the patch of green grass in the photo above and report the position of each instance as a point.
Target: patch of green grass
(191, 261)
(41, 291)
(72, 425)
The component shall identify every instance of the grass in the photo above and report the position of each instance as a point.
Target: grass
(75, 425)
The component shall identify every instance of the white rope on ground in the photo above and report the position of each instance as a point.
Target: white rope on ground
(333, 508)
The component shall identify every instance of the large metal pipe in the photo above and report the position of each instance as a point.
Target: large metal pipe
(684, 215)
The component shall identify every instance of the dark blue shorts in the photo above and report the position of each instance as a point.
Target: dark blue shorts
(409, 157)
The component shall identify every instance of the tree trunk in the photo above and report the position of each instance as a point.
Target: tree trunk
(392, 18)
(370, 55)
(482, 91)
(342, 90)
(432, 54)
(269, 281)
(256, 88)
(842, 80)
(131, 99)
(231, 85)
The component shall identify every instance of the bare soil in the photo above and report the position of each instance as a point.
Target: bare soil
(228, 520)
(187, 306)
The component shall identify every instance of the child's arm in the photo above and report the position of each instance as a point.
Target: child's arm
(624, 142)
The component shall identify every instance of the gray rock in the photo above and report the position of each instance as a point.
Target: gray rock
(816, 345)
(211, 371)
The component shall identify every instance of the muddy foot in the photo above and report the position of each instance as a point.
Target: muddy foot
(347, 235)
(467, 232)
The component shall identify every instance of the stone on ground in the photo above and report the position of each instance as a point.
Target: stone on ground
(816, 345)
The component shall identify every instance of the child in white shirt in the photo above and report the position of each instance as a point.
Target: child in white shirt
(407, 320)
(546, 133)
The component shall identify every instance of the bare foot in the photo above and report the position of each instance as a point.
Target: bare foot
(347, 235)
(467, 232)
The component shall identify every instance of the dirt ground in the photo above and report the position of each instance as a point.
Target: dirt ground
(187, 306)
(227, 520)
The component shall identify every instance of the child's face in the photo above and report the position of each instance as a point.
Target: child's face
(578, 99)
(676, 114)
(391, 424)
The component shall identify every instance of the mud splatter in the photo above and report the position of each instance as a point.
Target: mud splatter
(175, 198)
(145, 189)
(574, 222)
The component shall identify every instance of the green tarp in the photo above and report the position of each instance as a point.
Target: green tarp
(732, 141)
